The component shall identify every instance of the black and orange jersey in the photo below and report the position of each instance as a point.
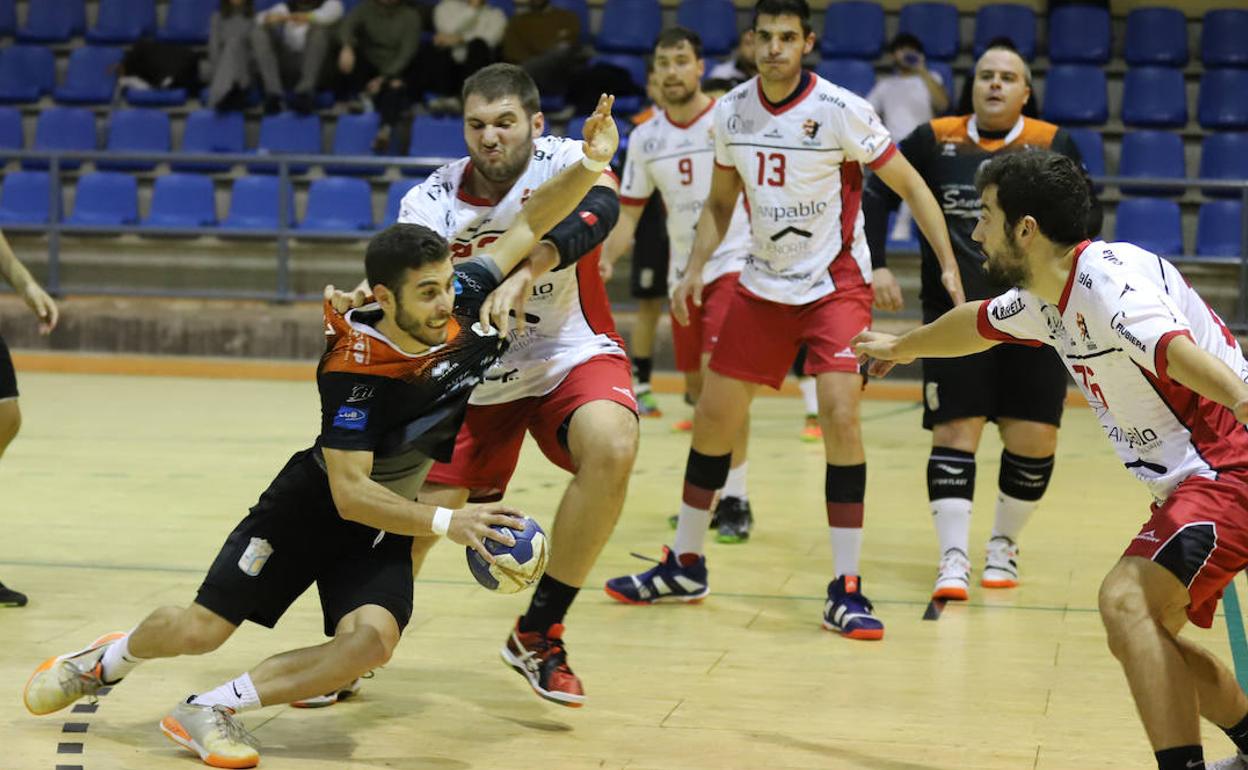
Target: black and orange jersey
(404, 408)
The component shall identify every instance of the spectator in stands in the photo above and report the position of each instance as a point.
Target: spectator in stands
(740, 66)
(965, 99)
(229, 54)
(545, 41)
(466, 37)
(380, 39)
(290, 43)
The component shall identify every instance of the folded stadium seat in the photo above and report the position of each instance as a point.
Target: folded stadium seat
(208, 131)
(187, 21)
(1151, 223)
(27, 73)
(25, 198)
(853, 30)
(853, 74)
(338, 203)
(91, 77)
(353, 135)
(629, 26)
(936, 25)
(1223, 103)
(1079, 34)
(715, 21)
(63, 128)
(288, 133)
(1091, 147)
(1224, 156)
(634, 65)
(136, 131)
(254, 204)
(1219, 229)
(123, 21)
(581, 9)
(1076, 94)
(8, 18)
(11, 134)
(1222, 36)
(945, 70)
(105, 198)
(506, 6)
(53, 21)
(1156, 36)
(1156, 154)
(155, 97)
(1016, 22)
(182, 200)
(398, 188)
(440, 138)
(1154, 97)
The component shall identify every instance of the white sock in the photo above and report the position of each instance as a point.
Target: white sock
(735, 485)
(691, 530)
(846, 546)
(1012, 516)
(952, 517)
(238, 695)
(117, 660)
(810, 391)
(641, 387)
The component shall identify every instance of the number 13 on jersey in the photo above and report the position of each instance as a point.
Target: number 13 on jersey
(770, 169)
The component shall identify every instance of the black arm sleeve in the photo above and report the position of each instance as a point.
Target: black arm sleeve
(474, 280)
(1063, 143)
(879, 199)
(587, 226)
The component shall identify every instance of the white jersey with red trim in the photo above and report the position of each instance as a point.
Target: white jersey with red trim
(1121, 308)
(677, 159)
(569, 317)
(800, 165)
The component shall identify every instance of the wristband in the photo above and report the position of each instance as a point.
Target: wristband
(593, 165)
(441, 521)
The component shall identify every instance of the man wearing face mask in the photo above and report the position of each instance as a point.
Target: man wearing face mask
(1021, 389)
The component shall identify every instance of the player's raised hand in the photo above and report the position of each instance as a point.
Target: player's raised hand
(952, 281)
(507, 301)
(343, 301)
(689, 289)
(878, 351)
(43, 306)
(887, 291)
(601, 135)
(473, 525)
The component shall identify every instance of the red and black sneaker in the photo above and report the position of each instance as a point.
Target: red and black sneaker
(542, 659)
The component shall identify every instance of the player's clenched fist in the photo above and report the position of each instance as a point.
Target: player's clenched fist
(471, 526)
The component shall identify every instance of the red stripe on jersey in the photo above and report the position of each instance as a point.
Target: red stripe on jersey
(611, 174)
(810, 87)
(1070, 279)
(1159, 354)
(844, 270)
(627, 201)
(1219, 438)
(694, 119)
(462, 193)
(885, 157)
(990, 332)
(595, 306)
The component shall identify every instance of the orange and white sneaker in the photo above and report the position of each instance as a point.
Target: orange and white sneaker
(1000, 564)
(60, 681)
(213, 733)
(684, 426)
(811, 432)
(542, 658)
(953, 576)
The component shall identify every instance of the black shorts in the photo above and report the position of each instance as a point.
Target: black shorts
(8, 377)
(1009, 380)
(293, 537)
(651, 254)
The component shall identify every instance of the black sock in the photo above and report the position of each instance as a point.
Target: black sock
(551, 600)
(1238, 733)
(641, 370)
(1181, 758)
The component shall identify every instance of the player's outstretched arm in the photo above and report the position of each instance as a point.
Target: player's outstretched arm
(28, 288)
(953, 335)
(1208, 376)
(712, 226)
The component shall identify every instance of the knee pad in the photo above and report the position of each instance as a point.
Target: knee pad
(950, 473)
(1024, 478)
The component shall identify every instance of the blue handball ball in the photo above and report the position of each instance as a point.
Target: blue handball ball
(516, 567)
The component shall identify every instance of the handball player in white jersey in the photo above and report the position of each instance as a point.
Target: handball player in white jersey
(795, 144)
(1166, 379)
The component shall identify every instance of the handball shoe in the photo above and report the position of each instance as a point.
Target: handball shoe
(60, 681)
(811, 432)
(11, 598)
(668, 579)
(329, 698)
(684, 426)
(213, 733)
(849, 612)
(542, 658)
(1237, 762)
(1000, 564)
(733, 520)
(953, 576)
(648, 405)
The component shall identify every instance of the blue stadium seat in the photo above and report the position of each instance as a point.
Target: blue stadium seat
(1222, 36)
(156, 97)
(338, 203)
(8, 17)
(1017, 22)
(289, 133)
(437, 138)
(634, 65)
(182, 200)
(254, 204)
(1224, 156)
(1150, 223)
(629, 26)
(854, 74)
(1223, 103)
(1091, 147)
(25, 197)
(53, 21)
(63, 128)
(1154, 97)
(11, 134)
(187, 21)
(91, 77)
(1152, 154)
(1077, 94)
(1156, 36)
(936, 25)
(208, 131)
(508, 7)
(354, 136)
(398, 188)
(1219, 229)
(715, 21)
(853, 30)
(1080, 34)
(123, 21)
(27, 72)
(106, 198)
(136, 131)
(945, 70)
(581, 9)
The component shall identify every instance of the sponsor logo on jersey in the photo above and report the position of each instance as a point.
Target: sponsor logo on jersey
(360, 393)
(1012, 309)
(255, 556)
(1142, 438)
(1125, 333)
(739, 125)
(1085, 280)
(1149, 537)
(351, 418)
(440, 369)
(1126, 288)
(791, 231)
(802, 210)
(1083, 326)
(810, 128)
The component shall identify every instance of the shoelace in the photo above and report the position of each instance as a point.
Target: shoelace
(643, 557)
(545, 650)
(231, 729)
(83, 678)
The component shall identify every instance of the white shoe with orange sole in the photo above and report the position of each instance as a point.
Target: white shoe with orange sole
(60, 681)
(213, 733)
(953, 576)
(1000, 564)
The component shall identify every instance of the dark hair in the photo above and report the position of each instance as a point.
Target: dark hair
(498, 81)
(798, 8)
(1048, 186)
(906, 40)
(399, 248)
(674, 36)
(227, 8)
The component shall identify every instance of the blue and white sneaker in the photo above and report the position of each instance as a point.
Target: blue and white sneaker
(849, 612)
(667, 580)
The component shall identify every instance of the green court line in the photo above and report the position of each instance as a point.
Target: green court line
(1235, 634)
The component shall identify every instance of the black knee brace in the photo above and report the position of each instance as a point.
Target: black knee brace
(950, 473)
(1024, 478)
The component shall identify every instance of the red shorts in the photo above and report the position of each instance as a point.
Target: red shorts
(760, 338)
(1200, 533)
(705, 322)
(488, 444)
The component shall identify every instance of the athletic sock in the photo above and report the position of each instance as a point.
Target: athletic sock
(238, 695)
(1022, 482)
(117, 660)
(844, 489)
(735, 485)
(951, 492)
(704, 474)
(810, 397)
(1181, 758)
(641, 372)
(1238, 733)
(551, 600)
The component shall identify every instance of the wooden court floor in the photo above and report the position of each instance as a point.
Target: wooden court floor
(120, 489)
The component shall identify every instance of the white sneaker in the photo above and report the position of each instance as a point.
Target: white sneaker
(329, 698)
(213, 733)
(953, 576)
(60, 681)
(1000, 564)
(1237, 762)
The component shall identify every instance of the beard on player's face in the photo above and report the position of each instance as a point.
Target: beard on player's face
(430, 330)
(500, 161)
(1007, 263)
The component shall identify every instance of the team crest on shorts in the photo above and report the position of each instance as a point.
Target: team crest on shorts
(255, 557)
(930, 395)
